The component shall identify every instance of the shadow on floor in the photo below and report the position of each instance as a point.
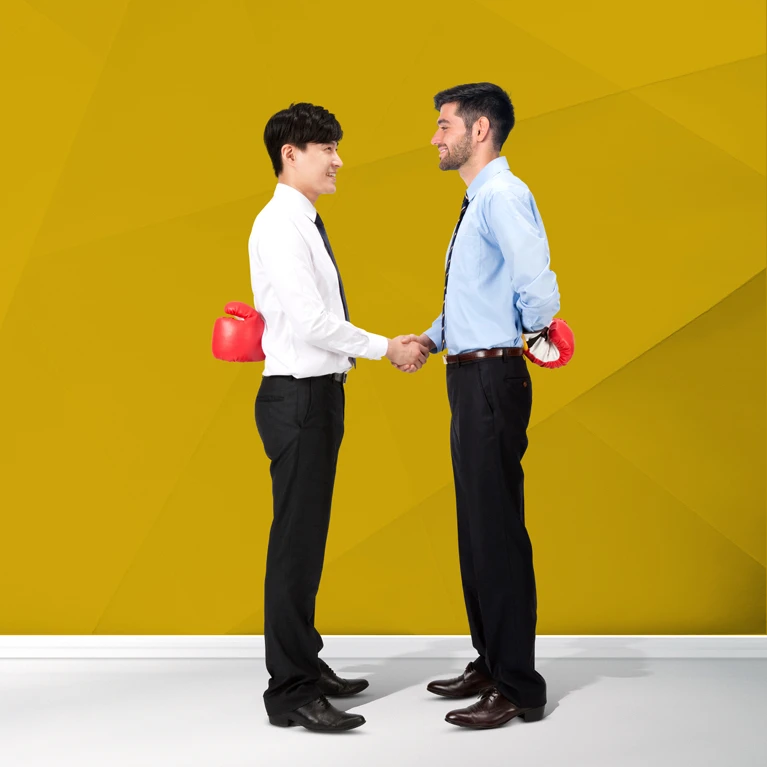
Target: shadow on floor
(564, 676)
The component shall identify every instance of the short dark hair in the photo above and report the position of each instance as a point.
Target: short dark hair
(477, 100)
(300, 124)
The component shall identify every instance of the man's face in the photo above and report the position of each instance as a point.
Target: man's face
(452, 139)
(316, 168)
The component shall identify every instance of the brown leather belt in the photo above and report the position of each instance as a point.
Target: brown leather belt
(483, 354)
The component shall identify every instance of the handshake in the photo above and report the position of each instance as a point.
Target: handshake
(408, 353)
(238, 339)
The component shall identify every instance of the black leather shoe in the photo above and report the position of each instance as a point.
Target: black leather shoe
(318, 716)
(334, 687)
(468, 684)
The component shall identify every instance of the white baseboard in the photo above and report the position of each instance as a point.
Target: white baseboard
(380, 646)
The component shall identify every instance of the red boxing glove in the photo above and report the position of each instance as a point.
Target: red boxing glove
(551, 347)
(238, 338)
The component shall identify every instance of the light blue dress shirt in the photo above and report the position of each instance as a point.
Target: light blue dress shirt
(500, 282)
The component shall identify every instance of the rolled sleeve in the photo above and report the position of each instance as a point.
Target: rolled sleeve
(434, 334)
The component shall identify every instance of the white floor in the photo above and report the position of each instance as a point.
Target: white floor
(601, 713)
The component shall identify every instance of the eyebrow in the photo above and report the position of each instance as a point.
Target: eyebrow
(443, 121)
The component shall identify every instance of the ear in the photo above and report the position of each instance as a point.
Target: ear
(482, 129)
(288, 153)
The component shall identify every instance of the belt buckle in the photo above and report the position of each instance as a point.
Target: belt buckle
(344, 376)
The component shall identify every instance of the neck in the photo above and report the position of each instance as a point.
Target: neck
(308, 193)
(470, 170)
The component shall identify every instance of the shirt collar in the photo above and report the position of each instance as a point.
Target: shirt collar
(296, 200)
(493, 168)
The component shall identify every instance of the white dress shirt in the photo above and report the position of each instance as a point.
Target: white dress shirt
(295, 288)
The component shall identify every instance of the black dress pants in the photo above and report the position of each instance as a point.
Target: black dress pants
(490, 404)
(301, 424)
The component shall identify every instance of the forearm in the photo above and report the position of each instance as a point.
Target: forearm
(538, 303)
(432, 338)
(326, 331)
(427, 342)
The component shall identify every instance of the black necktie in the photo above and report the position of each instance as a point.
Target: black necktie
(324, 235)
(447, 268)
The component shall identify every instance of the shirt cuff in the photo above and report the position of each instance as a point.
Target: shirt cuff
(435, 341)
(377, 347)
(534, 326)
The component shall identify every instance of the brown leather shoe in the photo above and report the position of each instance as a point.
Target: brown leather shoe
(470, 683)
(492, 710)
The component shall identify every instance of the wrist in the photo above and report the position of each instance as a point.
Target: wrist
(424, 340)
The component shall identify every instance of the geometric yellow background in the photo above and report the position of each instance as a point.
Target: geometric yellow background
(135, 492)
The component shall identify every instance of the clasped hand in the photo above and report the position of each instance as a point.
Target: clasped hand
(407, 353)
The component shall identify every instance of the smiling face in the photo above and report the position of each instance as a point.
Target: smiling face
(452, 139)
(314, 169)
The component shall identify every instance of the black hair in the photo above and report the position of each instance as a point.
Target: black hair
(300, 124)
(477, 100)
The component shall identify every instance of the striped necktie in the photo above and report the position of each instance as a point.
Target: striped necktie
(447, 268)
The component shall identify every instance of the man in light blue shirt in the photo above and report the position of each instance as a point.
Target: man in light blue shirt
(500, 282)
(498, 285)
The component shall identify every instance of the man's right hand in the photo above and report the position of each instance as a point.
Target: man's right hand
(427, 345)
(405, 351)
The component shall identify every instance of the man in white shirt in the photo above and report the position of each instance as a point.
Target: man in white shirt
(309, 345)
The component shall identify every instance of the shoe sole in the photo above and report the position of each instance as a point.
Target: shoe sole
(471, 694)
(286, 721)
(531, 715)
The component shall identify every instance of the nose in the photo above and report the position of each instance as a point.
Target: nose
(337, 162)
(435, 139)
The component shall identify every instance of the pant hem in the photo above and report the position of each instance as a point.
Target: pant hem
(515, 699)
(276, 708)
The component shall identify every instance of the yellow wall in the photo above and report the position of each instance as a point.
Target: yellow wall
(135, 492)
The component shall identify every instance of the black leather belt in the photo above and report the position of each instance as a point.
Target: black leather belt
(484, 354)
(340, 377)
